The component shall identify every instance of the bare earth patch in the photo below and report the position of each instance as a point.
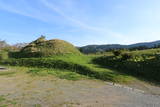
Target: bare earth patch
(24, 90)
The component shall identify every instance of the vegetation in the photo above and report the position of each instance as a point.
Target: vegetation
(143, 64)
(35, 71)
(80, 64)
(6, 73)
(65, 74)
(6, 103)
(3, 55)
(117, 52)
(126, 56)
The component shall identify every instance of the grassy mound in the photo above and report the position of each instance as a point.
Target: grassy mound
(44, 48)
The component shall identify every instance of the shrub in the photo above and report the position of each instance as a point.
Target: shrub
(126, 56)
(147, 68)
(23, 54)
(157, 56)
(117, 53)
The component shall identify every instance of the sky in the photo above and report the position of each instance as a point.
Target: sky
(81, 22)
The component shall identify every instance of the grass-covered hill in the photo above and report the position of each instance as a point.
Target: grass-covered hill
(43, 48)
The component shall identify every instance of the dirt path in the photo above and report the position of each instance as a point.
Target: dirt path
(23, 90)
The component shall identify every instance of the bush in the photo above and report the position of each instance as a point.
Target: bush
(24, 55)
(147, 69)
(117, 53)
(157, 56)
(126, 56)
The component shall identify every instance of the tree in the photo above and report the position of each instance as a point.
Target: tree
(117, 52)
(126, 56)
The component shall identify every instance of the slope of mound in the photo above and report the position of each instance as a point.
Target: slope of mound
(43, 48)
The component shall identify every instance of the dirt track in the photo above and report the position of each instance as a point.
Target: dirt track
(23, 90)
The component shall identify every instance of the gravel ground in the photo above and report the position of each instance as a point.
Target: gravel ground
(23, 90)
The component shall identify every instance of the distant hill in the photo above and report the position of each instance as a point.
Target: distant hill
(101, 48)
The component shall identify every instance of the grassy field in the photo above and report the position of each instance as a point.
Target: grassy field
(104, 66)
(81, 64)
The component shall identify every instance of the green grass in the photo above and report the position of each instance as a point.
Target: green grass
(2, 98)
(79, 59)
(62, 74)
(6, 73)
(37, 105)
(6, 103)
(86, 60)
(67, 75)
(3, 55)
(79, 64)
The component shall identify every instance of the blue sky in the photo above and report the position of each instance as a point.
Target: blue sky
(80, 22)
